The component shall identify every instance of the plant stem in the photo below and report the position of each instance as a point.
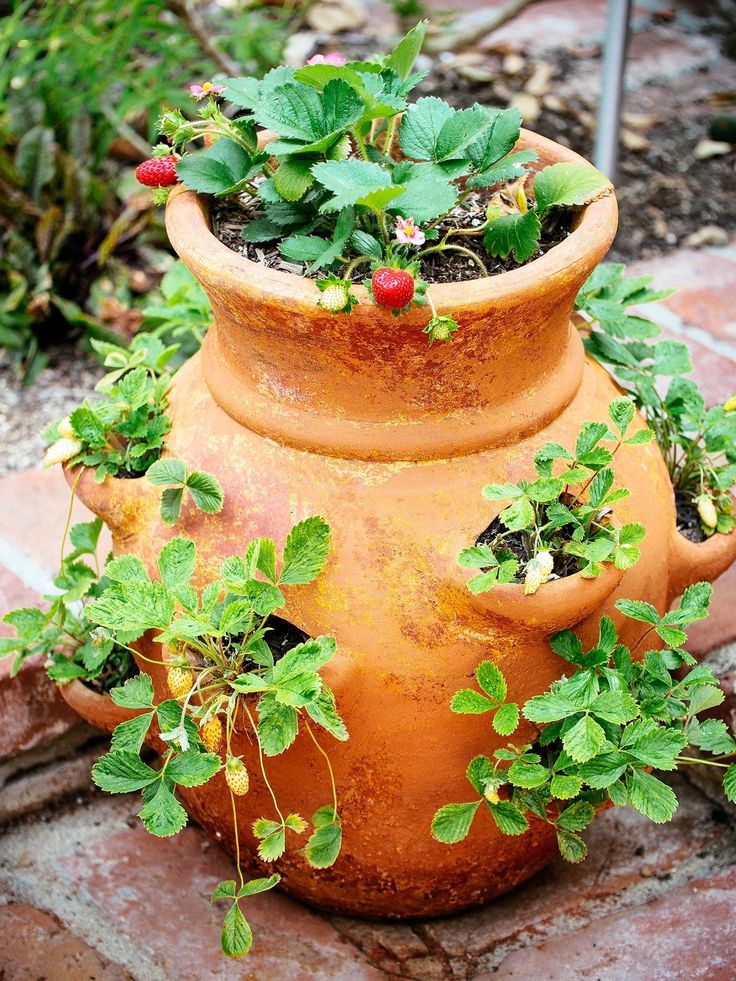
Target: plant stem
(263, 767)
(455, 248)
(329, 765)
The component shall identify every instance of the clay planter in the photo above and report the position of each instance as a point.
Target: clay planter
(99, 710)
(357, 419)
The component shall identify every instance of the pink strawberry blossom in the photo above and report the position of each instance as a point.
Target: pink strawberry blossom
(407, 232)
(333, 58)
(205, 89)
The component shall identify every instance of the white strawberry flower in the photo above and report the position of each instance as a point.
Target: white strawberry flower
(61, 451)
(178, 737)
(538, 571)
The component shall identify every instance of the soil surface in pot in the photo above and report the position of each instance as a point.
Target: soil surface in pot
(281, 637)
(229, 218)
(515, 542)
(118, 668)
(688, 521)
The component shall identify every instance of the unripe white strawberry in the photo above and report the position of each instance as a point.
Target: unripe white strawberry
(334, 298)
(236, 776)
(707, 511)
(538, 571)
(61, 451)
(64, 428)
(210, 732)
(179, 680)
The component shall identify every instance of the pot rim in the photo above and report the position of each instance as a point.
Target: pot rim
(190, 233)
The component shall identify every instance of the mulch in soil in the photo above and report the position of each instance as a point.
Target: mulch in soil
(229, 218)
(688, 521)
(516, 543)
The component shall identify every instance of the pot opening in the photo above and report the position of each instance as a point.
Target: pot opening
(688, 519)
(118, 668)
(281, 636)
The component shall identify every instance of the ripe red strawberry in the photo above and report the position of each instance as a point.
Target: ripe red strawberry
(392, 288)
(157, 172)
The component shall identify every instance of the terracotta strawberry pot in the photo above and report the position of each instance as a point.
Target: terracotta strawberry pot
(99, 710)
(357, 419)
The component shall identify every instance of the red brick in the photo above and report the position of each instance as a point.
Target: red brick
(687, 934)
(37, 947)
(705, 283)
(720, 627)
(157, 892)
(626, 851)
(39, 501)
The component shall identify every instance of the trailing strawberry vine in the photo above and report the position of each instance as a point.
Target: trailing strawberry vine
(698, 444)
(225, 681)
(603, 732)
(354, 175)
(561, 523)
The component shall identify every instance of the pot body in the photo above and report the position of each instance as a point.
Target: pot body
(356, 419)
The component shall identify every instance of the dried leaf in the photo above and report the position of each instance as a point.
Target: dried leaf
(538, 83)
(513, 63)
(707, 235)
(634, 141)
(711, 148)
(528, 105)
(336, 16)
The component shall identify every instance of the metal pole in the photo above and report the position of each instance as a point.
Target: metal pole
(612, 86)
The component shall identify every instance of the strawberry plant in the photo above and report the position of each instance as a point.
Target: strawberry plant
(72, 648)
(698, 444)
(557, 525)
(354, 175)
(225, 679)
(603, 732)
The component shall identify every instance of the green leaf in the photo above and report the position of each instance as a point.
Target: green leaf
(224, 890)
(220, 170)
(564, 787)
(272, 844)
(171, 500)
(129, 736)
(305, 552)
(651, 797)
(277, 725)
(355, 182)
(566, 184)
(622, 411)
(518, 516)
(729, 783)
(508, 818)
(549, 707)
(163, 815)
(206, 491)
(366, 244)
(584, 740)
(527, 775)
(421, 126)
(85, 535)
(461, 129)
(88, 426)
(470, 702)
(402, 58)
(658, 748)
(498, 140)
(323, 711)
(309, 121)
(176, 562)
(513, 233)
(506, 719)
(256, 886)
(576, 817)
(452, 822)
(166, 471)
(603, 770)
(479, 772)
(638, 610)
(615, 705)
(136, 693)
(192, 769)
(236, 938)
(427, 193)
(572, 847)
(132, 606)
(323, 847)
(35, 159)
(507, 169)
(126, 568)
(491, 680)
(502, 492)
(293, 177)
(121, 772)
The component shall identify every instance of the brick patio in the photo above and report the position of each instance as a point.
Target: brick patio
(88, 894)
